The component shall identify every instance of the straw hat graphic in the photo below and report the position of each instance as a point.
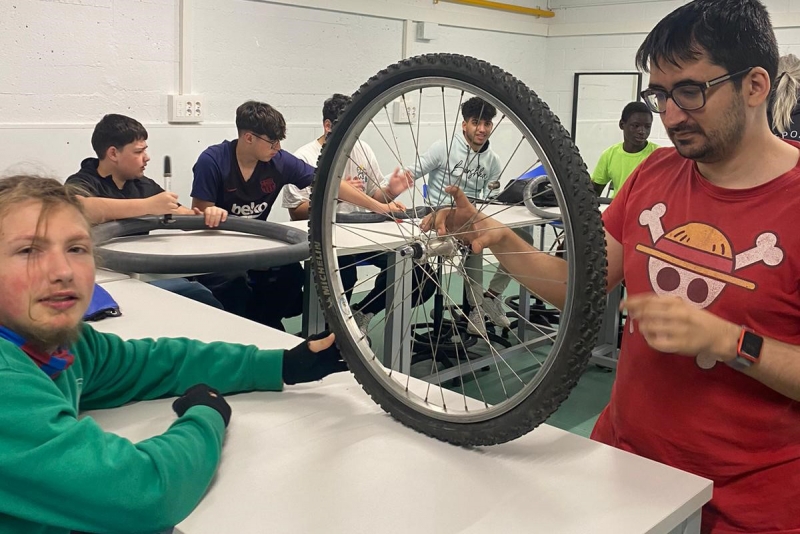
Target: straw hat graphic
(701, 249)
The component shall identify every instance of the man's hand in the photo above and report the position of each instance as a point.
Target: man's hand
(464, 222)
(213, 215)
(164, 203)
(355, 183)
(399, 181)
(312, 360)
(672, 325)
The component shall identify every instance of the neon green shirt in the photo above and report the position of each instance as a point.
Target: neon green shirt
(60, 473)
(615, 165)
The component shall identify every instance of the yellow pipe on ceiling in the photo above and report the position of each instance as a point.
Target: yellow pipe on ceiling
(503, 7)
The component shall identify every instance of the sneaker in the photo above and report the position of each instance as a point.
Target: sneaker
(494, 309)
(476, 325)
(363, 320)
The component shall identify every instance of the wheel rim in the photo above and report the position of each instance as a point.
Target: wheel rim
(352, 132)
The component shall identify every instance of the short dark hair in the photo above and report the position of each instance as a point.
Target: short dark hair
(334, 106)
(635, 107)
(261, 119)
(477, 108)
(117, 131)
(734, 34)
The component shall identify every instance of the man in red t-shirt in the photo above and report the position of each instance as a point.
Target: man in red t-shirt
(704, 235)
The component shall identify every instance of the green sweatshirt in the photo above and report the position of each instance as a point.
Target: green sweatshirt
(59, 473)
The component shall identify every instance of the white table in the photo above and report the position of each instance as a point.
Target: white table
(102, 276)
(161, 242)
(324, 458)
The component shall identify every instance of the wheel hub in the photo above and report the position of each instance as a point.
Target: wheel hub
(424, 247)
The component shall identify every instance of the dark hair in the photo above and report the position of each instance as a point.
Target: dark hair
(477, 108)
(635, 107)
(734, 34)
(333, 106)
(117, 131)
(261, 119)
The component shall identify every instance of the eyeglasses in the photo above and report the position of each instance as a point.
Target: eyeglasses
(689, 96)
(272, 144)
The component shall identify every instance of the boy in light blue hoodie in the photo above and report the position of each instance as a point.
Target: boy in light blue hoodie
(467, 161)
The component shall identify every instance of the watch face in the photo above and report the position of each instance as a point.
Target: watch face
(751, 345)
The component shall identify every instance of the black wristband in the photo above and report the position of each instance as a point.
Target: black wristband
(301, 364)
(202, 395)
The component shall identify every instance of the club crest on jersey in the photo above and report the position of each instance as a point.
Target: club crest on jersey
(268, 186)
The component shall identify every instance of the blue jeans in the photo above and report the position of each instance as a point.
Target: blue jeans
(186, 288)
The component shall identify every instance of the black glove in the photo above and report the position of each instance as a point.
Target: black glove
(301, 364)
(202, 395)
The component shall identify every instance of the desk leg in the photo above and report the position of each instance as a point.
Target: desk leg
(690, 526)
(313, 318)
(605, 353)
(397, 333)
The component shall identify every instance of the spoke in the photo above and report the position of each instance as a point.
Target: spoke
(391, 129)
(407, 327)
(466, 356)
(396, 155)
(380, 246)
(449, 171)
(484, 205)
(366, 227)
(362, 282)
(377, 183)
(494, 352)
(485, 338)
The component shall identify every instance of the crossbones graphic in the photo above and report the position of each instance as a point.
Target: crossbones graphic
(695, 261)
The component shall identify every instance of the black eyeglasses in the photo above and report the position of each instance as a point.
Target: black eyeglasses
(272, 144)
(689, 96)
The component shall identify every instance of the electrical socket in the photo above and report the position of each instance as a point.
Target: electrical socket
(186, 108)
(399, 113)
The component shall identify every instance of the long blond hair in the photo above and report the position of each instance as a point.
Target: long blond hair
(784, 100)
(51, 193)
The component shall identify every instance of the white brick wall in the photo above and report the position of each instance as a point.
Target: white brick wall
(64, 64)
(616, 52)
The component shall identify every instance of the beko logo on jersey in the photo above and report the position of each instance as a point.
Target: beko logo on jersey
(249, 210)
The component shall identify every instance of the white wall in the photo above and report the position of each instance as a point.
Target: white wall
(604, 35)
(63, 65)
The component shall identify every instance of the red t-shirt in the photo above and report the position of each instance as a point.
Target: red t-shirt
(735, 253)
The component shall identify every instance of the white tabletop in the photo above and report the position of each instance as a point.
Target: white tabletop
(102, 276)
(149, 311)
(175, 242)
(362, 237)
(324, 457)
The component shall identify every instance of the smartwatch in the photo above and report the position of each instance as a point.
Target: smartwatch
(748, 350)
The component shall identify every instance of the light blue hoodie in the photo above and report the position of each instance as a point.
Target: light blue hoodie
(471, 171)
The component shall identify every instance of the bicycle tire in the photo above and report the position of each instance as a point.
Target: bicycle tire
(587, 293)
(296, 248)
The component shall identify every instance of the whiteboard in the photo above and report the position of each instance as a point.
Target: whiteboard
(597, 109)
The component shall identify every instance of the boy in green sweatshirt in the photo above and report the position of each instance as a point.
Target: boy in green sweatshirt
(60, 474)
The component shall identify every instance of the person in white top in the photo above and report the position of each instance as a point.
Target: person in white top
(363, 172)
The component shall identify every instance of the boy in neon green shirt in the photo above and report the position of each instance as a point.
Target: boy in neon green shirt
(620, 160)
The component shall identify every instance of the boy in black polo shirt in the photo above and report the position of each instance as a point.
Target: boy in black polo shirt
(116, 188)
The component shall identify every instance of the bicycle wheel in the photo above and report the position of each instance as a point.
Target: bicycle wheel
(455, 378)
